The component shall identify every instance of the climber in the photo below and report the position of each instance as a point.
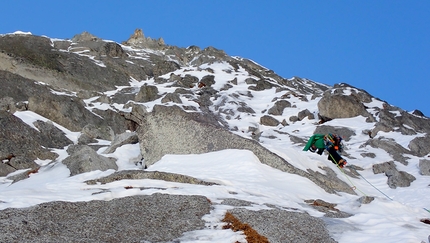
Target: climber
(331, 142)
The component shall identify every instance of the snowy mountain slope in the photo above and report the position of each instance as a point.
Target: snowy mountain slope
(393, 216)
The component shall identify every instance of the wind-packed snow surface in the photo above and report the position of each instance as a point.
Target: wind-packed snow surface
(394, 215)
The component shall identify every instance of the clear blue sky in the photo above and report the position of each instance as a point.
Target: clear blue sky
(381, 46)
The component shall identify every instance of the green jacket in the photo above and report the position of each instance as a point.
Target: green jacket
(317, 139)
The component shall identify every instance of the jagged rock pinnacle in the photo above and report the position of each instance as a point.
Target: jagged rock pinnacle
(138, 39)
(138, 34)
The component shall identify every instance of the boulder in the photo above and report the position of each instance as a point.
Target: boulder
(278, 108)
(171, 97)
(399, 179)
(305, 113)
(122, 139)
(420, 145)
(147, 93)
(269, 121)
(84, 159)
(424, 166)
(98, 132)
(340, 106)
(384, 167)
(207, 80)
(395, 178)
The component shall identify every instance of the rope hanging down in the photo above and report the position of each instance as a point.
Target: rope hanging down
(354, 187)
(363, 178)
(375, 187)
(346, 176)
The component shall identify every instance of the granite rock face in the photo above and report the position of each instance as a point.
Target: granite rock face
(169, 101)
(154, 218)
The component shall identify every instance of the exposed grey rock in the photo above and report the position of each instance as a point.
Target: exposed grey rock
(124, 95)
(269, 121)
(25, 142)
(399, 179)
(278, 107)
(340, 106)
(424, 166)
(121, 139)
(153, 218)
(208, 55)
(98, 132)
(85, 139)
(171, 97)
(395, 178)
(390, 146)
(84, 159)
(420, 145)
(112, 49)
(54, 137)
(34, 70)
(384, 167)
(365, 199)
(16, 88)
(236, 202)
(418, 113)
(67, 111)
(34, 57)
(261, 85)
(250, 81)
(335, 103)
(7, 104)
(293, 118)
(329, 209)
(6, 169)
(147, 93)
(368, 155)
(344, 132)
(208, 80)
(112, 120)
(280, 226)
(137, 39)
(245, 108)
(155, 175)
(187, 81)
(418, 123)
(170, 130)
(162, 67)
(85, 36)
(305, 113)
(23, 175)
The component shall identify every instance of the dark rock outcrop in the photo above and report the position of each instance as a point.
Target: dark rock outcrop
(25, 142)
